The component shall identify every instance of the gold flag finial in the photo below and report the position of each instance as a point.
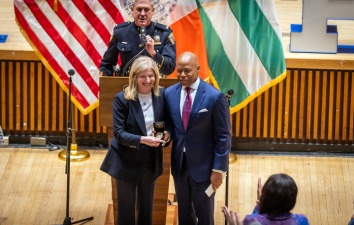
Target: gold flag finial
(55, 5)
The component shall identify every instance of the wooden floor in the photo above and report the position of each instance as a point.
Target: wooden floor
(33, 184)
(326, 186)
(33, 188)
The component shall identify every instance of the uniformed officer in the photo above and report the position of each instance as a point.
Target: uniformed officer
(160, 43)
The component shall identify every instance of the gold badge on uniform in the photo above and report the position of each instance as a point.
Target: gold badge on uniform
(157, 40)
(172, 39)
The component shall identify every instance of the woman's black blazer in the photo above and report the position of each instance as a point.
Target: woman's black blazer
(125, 157)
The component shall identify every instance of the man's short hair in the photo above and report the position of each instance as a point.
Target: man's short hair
(133, 3)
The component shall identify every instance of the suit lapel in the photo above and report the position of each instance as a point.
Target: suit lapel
(176, 113)
(199, 98)
(138, 114)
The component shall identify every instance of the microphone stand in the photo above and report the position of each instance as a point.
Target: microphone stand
(67, 220)
(232, 159)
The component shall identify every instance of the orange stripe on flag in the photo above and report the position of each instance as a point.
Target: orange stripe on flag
(189, 36)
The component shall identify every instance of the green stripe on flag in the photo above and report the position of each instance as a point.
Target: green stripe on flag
(219, 64)
(261, 35)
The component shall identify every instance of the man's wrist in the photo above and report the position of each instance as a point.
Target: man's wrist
(153, 54)
(219, 171)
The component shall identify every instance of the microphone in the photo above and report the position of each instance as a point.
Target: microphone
(143, 35)
(229, 94)
(71, 72)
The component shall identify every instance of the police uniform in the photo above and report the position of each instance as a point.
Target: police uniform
(126, 42)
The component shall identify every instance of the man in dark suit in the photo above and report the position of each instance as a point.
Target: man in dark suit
(198, 120)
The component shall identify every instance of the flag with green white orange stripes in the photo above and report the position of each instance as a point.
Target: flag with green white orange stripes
(243, 45)
(238, 42)
(242, 39)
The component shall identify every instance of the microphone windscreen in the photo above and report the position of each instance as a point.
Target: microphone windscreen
(230, 92)
(71, 72)
(142, 29)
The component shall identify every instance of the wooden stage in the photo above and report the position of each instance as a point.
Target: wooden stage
(33, 184)
(312, 109)
(33, 188)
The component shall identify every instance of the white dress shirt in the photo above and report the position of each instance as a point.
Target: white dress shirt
(193, 92)
(148, 111)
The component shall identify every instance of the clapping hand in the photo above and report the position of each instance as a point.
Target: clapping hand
(231, 217)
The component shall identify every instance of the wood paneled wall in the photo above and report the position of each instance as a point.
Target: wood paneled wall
(33, 103)
(309, 106)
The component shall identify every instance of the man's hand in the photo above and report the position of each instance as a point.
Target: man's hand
(151, 141)
(216, 180)
(150, 46)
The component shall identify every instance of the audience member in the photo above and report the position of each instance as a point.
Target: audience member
(274, 203)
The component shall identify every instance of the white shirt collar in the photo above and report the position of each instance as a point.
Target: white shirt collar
(195, 85)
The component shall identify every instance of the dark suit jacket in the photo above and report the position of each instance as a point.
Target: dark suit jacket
(207, 138)
(125, 157)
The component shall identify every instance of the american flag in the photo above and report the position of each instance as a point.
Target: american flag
(70, 34)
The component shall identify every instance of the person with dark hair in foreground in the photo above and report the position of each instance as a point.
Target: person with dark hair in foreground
(274, 202)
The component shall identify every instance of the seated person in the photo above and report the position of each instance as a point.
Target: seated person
(274, 203)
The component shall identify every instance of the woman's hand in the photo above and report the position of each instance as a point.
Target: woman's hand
(231, 217)
(166, 136)
(151, 141)
(153, 133)
(259, 191)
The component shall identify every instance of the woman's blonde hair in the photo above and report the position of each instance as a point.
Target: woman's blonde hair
(140, 64)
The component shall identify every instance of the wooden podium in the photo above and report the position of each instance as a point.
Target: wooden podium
(109, 86)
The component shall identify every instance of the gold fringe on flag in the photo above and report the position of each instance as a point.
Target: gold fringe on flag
(55, 5)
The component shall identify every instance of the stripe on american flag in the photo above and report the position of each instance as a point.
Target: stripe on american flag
(76, 36)
(63, 38)
(91, 17)
(63, 77)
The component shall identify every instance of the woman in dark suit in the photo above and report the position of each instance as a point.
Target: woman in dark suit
(134, 158)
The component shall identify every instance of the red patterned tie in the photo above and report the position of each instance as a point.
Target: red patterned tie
(187, 108)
